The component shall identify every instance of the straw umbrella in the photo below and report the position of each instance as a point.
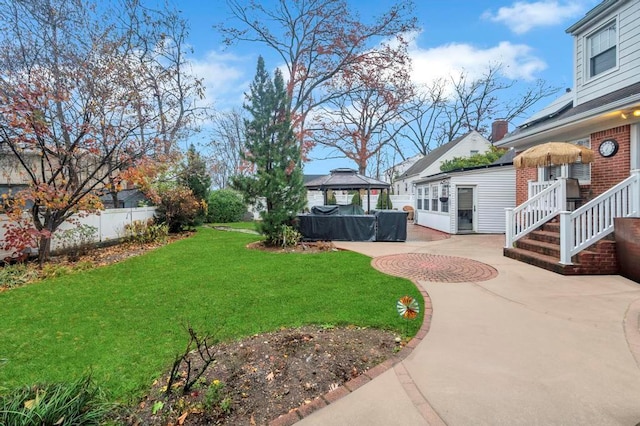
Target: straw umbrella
(553, 153)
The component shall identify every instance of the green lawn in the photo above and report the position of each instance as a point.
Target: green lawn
(125, 322)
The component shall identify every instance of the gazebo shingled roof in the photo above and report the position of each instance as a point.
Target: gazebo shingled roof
(347, 179)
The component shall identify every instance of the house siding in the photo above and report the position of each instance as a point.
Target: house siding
(493, 194)
(627, 71)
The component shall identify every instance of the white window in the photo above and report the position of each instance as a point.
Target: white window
(444, 201)
(425, 203)
(419, 198)
(602, 49)
(434, 198)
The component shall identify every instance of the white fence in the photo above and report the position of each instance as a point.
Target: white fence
(397, 201)
(110, 224)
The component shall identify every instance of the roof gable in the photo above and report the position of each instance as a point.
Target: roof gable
(434, 156)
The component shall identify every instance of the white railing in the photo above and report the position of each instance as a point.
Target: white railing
(536, 187)
(593, 221)
(534, 212)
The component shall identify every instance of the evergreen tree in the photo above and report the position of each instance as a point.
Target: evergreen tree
(194, 175)
(272, 149)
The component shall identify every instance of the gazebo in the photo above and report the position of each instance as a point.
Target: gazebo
(349, 180)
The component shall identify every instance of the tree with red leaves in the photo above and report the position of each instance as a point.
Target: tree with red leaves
(78, 106)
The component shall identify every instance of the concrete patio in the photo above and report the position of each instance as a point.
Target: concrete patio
(525, 347)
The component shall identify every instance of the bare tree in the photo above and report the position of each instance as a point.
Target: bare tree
(421, 116)
(364, 119)
(449, 108)
(226, 147)
(316, 40)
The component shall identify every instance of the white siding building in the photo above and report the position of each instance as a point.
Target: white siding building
(606, 49)
(467, 201)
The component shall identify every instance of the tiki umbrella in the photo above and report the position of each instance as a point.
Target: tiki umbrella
(555, 153)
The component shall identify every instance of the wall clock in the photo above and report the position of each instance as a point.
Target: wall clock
(608, 147)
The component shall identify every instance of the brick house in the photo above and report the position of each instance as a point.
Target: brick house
(602, 113)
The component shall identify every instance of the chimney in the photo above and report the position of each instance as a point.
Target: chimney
(499, 129)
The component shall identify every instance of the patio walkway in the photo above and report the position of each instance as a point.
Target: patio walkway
(516, 346)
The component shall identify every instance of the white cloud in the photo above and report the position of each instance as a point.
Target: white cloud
(522, 17)
(224, 76)
(517, 61)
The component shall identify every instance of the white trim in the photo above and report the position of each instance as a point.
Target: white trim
(586, 47)
(524, 137)
(635, 146)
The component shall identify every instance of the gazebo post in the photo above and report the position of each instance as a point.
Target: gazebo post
(368, 200)
(324, 193)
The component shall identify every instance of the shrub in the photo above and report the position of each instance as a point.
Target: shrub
(225, 206)
(384, 201)
(289, 236)
(146, 231)
(356, 200)
(178, 208)
(76, 403)
(16, 275)
(77, 241)
(331, 199)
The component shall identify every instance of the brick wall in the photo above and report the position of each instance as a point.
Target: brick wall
(523, 176)
(606, 172)
(627, 231)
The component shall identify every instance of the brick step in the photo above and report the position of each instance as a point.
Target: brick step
(545, 236)
(551, 227)
(550, 263)
(539, 247)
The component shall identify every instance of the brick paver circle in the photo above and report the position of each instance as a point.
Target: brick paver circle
(432, 267)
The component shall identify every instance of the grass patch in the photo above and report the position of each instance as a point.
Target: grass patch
(124, 323)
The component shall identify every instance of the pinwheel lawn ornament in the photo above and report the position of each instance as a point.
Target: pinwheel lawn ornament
(408, 309)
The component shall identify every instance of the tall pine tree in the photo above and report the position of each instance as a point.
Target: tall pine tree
(273, 151)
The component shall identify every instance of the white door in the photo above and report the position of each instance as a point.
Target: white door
(466, 209)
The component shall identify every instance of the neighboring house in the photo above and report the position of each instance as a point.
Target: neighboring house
(395, 171)
(127, 198)
(603, 113)
(471, 200)
(463, 146)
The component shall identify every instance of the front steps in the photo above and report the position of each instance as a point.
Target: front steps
(542, 248)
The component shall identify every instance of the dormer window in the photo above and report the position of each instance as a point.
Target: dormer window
(602, 49)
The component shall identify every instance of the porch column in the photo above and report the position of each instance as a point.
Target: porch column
(508, 235)
(635, 190)
(561, 199)
(566, 238)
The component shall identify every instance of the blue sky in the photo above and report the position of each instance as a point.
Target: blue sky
(527, 37)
